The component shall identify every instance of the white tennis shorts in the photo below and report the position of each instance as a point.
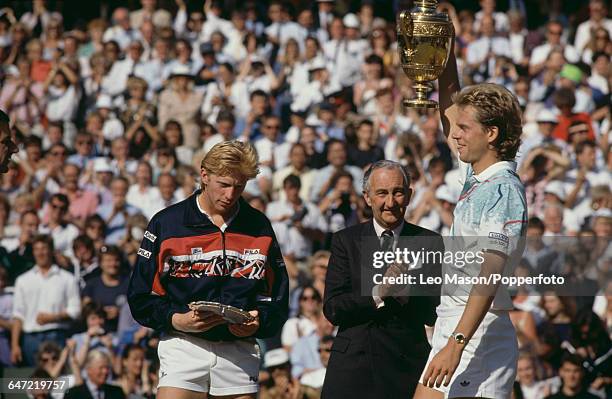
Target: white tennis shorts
(488, 363)
(219, 368)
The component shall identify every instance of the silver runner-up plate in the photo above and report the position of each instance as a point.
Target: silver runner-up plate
(229, 313)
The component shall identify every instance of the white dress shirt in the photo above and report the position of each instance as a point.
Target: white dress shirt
(291, 240)
(583, 33)
(114, 83)
(540, 54)
(54, 293)
(146, 201)
(238, 98)
(287, 30)
(63, 236)
(396, 234)
(121, 36)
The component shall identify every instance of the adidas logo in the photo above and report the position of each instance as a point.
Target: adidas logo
(464, 383)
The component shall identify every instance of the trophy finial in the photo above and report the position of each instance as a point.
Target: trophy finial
(427, 5)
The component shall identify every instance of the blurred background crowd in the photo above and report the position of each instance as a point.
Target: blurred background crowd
(115, 107)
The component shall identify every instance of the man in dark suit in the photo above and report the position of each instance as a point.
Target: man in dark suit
(97, 367)
(381, 346)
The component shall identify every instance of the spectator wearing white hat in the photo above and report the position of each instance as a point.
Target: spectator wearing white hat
(546, 121)
(97, 178)
(182, 103)
(276, 362)
(112, 128)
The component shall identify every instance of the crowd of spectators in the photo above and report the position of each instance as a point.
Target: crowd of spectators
(114, 117)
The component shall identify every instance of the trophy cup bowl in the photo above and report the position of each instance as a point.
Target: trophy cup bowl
(424, 42)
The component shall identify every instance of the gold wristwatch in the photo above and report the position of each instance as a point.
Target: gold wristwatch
(459, 337)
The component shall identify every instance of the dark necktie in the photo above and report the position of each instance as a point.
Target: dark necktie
(386, 241)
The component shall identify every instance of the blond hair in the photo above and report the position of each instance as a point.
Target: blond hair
(230, 157)
(495, 106)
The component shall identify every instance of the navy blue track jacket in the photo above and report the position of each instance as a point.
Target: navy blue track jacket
(184, 257)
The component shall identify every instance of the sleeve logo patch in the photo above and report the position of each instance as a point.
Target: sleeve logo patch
(500, 237)
(150, 236)
(144, 253)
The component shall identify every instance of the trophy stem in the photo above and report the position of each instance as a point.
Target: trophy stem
(421, 101)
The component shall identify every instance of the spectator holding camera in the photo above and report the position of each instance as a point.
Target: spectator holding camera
(324, 177)
(340, 205)
(297, 223)
(95, 336)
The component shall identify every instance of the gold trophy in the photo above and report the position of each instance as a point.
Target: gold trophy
(424, 39)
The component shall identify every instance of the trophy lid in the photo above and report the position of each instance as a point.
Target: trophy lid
(427, 10)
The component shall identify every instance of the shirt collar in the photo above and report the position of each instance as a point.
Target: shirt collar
(495, 168)
(227, 222)
(52, 270)
(379, 229)
(93, 388)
